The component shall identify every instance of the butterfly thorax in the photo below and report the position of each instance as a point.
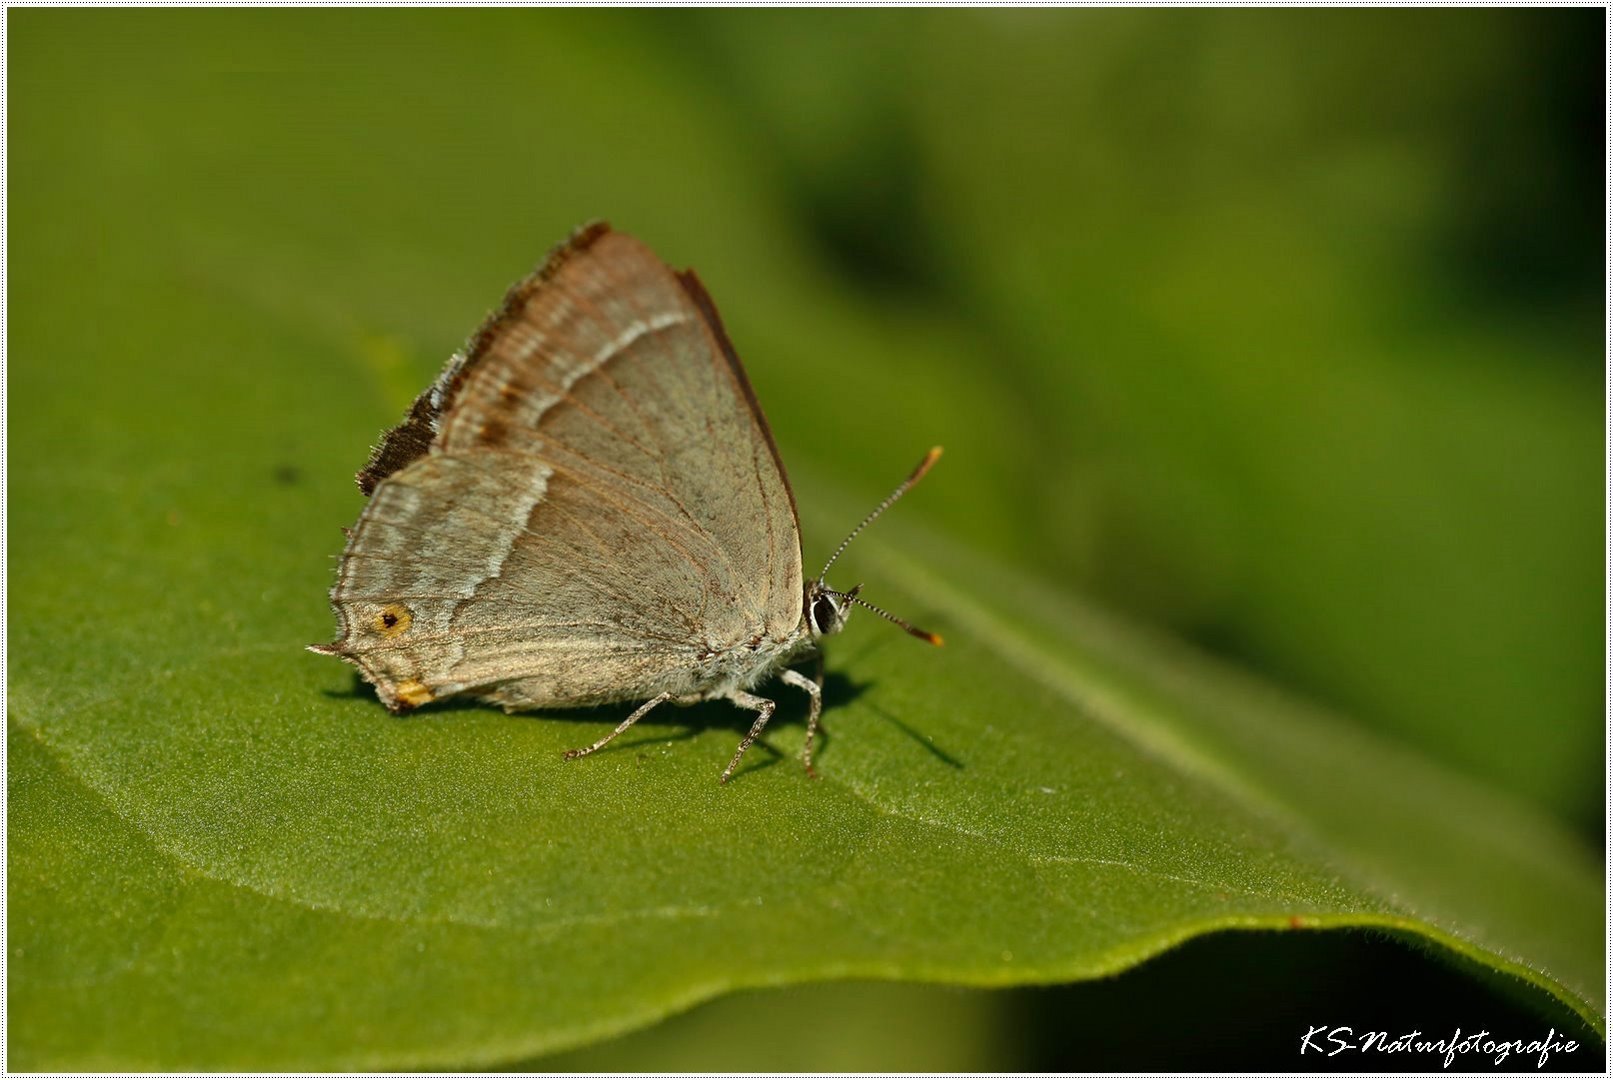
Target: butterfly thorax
(742, 666)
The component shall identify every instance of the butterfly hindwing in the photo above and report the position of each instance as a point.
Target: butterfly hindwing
(598, 509)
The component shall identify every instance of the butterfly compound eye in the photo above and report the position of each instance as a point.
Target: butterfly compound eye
(825, 615)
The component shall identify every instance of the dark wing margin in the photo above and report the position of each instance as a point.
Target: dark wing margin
(702, 300)
(412, 439)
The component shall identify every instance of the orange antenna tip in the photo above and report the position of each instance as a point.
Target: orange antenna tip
(924, 466)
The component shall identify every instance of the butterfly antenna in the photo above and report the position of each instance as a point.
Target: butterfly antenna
(925, 635)
(901, 489)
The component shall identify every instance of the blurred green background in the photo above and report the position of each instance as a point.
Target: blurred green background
(1279, 331)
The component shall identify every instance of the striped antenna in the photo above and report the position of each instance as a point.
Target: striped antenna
(925, 635)
(901, 489)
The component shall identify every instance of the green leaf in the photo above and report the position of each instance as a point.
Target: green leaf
(224, 854)
(283, 875)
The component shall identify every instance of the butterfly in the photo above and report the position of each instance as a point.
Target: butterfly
(587, 507)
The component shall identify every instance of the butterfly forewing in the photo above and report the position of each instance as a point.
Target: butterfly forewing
(600, 506)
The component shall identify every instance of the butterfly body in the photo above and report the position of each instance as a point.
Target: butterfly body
(586, 507)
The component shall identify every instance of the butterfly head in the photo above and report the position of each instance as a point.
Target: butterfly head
(827, 610)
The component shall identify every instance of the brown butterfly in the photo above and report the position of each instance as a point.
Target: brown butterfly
(587, 507)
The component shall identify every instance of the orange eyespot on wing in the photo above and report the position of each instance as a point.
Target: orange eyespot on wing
(412, 693)
(392, 621)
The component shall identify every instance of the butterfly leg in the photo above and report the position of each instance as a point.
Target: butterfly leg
(764, 712)
(814, 689)
(638, 714)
